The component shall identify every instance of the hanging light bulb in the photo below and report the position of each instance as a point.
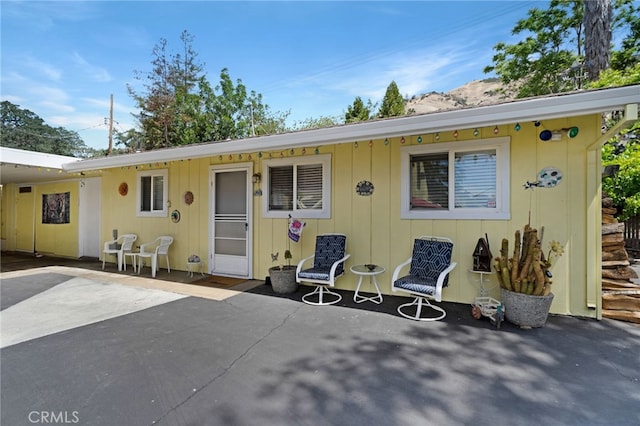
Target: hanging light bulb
(573, 132)
(371, 143)
(355, 145)
(402, 139)
(476, 133)
(437, 136)
(517, 127)
(419, 139)
(455, 134)
(496, 130)
(386, 141)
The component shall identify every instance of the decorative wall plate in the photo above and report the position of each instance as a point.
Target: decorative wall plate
(364, 187)
(123, 189)
(175, 216)
(188, 198)
(549, 177)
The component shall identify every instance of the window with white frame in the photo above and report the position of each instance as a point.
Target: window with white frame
(152, 193)
(300, 186)
(458, 180)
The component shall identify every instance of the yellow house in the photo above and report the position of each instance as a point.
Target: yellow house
(459, 174)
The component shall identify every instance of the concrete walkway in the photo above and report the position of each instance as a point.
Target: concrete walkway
(129, 350)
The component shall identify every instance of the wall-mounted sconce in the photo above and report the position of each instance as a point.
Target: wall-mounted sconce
(556, 135)
(256, 178)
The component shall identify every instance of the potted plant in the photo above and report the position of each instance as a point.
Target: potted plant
(525, 279)
(283, 277)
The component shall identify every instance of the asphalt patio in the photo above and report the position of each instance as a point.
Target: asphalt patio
(84, 346)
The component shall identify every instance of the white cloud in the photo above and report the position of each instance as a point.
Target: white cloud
(43, 68)
(95, 73)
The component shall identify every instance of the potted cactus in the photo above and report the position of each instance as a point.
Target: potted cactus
(525, 279)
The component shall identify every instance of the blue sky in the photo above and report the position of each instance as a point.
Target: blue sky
(63, 60)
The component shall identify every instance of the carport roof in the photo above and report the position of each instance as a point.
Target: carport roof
(20, 166)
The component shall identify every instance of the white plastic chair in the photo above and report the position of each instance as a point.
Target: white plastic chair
(147, 251)
(125, 243)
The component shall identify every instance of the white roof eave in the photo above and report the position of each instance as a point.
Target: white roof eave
(533, 109)
(33, 158)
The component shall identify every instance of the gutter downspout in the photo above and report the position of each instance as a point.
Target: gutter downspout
(594, 210)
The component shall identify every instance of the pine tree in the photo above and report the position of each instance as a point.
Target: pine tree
(392, 103)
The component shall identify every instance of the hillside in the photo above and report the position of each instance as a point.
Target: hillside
(474, 93)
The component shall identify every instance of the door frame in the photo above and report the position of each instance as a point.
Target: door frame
(248, 168)
(89, 217)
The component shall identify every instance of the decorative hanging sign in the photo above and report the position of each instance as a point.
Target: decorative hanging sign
(547, 178)
(295, 229)
(123, 189)
(364, 188)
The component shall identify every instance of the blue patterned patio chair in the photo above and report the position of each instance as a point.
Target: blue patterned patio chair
(328, 264)
(429, 273)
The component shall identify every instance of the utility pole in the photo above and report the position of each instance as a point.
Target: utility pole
(111, 126)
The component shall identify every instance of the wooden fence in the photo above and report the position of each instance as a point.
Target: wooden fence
(632, 236)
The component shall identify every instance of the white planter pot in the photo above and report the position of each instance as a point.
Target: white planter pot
(525, 310)
(283, 280)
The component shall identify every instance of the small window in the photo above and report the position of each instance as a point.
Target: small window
(152, 193)
(299, 186)
(464, 180)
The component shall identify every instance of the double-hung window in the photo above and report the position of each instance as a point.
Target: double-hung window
(458, 180)
(152, 193)
(300, 186)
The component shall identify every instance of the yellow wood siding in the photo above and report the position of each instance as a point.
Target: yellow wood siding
(373, 225)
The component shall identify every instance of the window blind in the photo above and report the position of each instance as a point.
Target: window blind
(309, 186)
(158, 192)
(430, 181)
(475, 179)
(145, 193)
(281, 188)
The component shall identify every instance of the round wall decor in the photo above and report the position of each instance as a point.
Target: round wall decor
(549, 177)
(123, 189)
(175, 216)
(188, 198)
(364, 187)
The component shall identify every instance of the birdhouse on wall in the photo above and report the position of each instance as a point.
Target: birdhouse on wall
(482, 256)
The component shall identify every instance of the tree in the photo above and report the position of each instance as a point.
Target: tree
(627, 20)
(536, 62)
(550, 57)
(622, 151)
(358, 111)
(597, 36)
(315, 123)
(23, 129)
(392, 103)
(178, 105)
(623, 187)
